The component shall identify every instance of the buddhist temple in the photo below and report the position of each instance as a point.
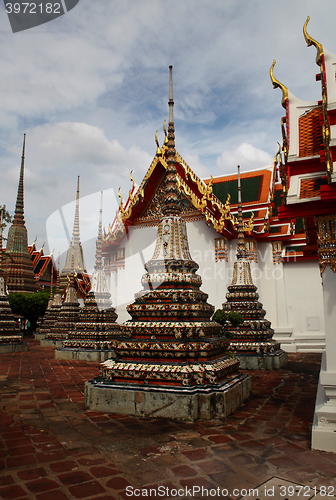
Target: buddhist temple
(251, 342)
(174, 361)
(96, 327)
(308, 190)
(75, 258)
(20, 276)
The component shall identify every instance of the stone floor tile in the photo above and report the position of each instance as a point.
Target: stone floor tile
(12, 492)
(85, 490)
(42, 484)
(195, 455)
(91, 461)
(14, 462)
(6, 480)
(118, 483)
(213, 466)
(52, 495)
(30, 474)
(184, 471)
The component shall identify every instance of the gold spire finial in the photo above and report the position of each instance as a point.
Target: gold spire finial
(165, 132)
(310, 41)
(158, 150)
(277, 84)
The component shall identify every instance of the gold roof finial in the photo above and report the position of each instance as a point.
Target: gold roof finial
(131, 177)
(158, 150)
(277, 84)
(310, 41)
(165, 132)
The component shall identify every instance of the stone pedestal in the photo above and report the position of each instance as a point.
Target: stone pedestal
(324, 426)
(188, 404)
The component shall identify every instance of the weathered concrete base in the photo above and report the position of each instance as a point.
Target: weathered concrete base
(324, 425)
(39, 336)
(270, 361)
(97, 355)
(51, 343)
(187, 404)
(14, 347)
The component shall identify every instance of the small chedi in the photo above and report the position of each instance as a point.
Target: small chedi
(96, 327)
(52, 312)
(10, 337)
(173, 362)
(66, 319)
(251, 341)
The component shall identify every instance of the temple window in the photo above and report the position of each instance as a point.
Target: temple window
(251, 250)
(221, 249)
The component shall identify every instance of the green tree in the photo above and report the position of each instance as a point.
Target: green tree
(224, 319)
(29, 305)
(5, 217)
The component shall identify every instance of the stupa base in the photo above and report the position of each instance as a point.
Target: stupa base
(39, 336)
(188, 404)
(53, 342)
(260, 361)
(12, 345)
(78, 354)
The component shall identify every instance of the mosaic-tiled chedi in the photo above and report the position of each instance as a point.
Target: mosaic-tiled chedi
(10, 337)
(20, 275)
(52, 313)
(173, 349)
(251, 341)
(96, 326)
(67, 317)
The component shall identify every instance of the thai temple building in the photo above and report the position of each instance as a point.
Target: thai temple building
(308, 189)
(251, 342)
(75, 259)
(20, 276)
(172, 361)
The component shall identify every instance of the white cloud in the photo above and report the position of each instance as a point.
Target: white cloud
(245, 155)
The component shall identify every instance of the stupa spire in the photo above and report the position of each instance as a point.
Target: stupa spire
(241, 254)
(99, 242)
(75, 232)
(171, 194)
(74, 259)
(19, 207)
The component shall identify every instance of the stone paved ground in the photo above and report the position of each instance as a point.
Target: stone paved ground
(52, 448)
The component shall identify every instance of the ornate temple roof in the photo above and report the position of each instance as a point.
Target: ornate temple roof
(306, 164)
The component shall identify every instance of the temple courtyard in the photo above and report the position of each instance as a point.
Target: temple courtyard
(52, 448)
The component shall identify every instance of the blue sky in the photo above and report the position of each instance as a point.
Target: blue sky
(91, 87)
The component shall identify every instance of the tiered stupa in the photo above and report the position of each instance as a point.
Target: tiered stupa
(96, 327)
(19, 268)
(174, 363)
(67, 317)
(74, 259)
(10, 337)
(52, 313)
(251, 341)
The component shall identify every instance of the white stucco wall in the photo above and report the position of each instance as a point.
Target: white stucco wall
(291, 293)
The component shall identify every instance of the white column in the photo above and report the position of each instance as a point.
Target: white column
(324, 427)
